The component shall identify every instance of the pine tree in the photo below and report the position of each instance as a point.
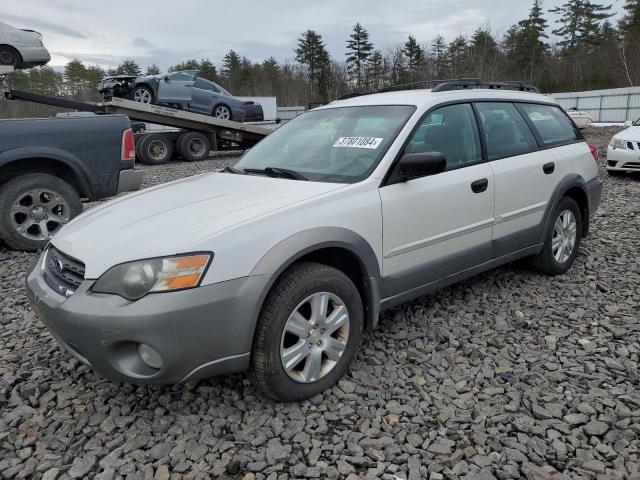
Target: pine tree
(376, 70)
(153, 69)
(312, 52)
(457, 56)
(414, 55)
(128, 67)
(359, 50)
(630, 23)
(439, 53)
(579, 22)
(524, 43)
(485, 54)
(206, 69)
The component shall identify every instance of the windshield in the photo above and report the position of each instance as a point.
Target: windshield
(341, 145)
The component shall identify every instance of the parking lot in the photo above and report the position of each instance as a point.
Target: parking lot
(510, 374)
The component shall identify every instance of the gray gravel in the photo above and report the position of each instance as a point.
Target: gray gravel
(508, 375)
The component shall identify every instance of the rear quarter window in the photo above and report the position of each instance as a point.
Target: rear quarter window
(551, 123)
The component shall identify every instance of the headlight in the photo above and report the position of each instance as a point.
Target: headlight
(617, 143)
(133, 280)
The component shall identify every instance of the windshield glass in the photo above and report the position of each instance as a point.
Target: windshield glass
(341, 145)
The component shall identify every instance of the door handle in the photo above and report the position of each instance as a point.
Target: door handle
(549, 168)
(479, 186)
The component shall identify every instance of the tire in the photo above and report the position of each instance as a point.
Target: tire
(33, 207)
(194, 146)
(301, 282)
(155, 149)
(547, 260)
(142, 94)
(222, 112)
(9, 56)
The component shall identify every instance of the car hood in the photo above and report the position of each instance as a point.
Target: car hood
(630, 134)
(176, 217)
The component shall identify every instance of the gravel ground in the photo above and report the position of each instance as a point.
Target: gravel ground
(510, 374)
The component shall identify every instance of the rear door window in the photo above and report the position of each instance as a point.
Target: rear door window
(506, 132)
(551, 123)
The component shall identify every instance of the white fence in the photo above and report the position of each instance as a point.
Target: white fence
(613, 105)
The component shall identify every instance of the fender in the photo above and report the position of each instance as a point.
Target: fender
(152, 83)
(285, 253)
(563, 186)
(51, 153)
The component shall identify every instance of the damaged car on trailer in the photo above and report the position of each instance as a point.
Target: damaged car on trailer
(184, 90)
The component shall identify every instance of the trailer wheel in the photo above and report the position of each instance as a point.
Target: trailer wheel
(194, 146)
(155, 149)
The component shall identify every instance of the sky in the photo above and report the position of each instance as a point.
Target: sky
(166, 32)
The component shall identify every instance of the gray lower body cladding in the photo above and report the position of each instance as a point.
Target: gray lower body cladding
(198, 333)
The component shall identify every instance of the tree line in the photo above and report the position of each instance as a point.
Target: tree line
(589, 52)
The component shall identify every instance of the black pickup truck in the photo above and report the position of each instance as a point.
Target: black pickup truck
(49, 165)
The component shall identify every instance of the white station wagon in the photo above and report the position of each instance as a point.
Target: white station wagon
(278, 264)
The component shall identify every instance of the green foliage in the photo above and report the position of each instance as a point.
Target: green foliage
(359, 50)
(579, 23)
(312, 53)
(414, 54)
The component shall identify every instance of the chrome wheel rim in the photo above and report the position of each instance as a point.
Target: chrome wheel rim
(315, 337)
(222, 113)
(157, 149)
(565, 233)
(142, 95)
(38, 214)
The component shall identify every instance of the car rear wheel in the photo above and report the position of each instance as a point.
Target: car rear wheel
(155, 149)
(308, 333)
(142, 94)
(563, 239)
(9, 56)
(194, 146)
(222, 112)
(34, 207)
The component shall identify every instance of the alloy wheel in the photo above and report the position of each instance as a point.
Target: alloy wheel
(142, 95)
(565, 233)
(222, 113)
(315, 337)
(38, 214)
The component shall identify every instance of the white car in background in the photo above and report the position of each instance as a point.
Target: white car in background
(21, 48)
(623, 154)
(581, 119)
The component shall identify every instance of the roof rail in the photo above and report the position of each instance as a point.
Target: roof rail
(470, 83)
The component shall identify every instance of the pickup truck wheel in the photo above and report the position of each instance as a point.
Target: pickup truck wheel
(194, 146)
(308, 333)
(563, 239)
(155, 149)
(34, 207)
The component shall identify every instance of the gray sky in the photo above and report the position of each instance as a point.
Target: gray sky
(168, 31)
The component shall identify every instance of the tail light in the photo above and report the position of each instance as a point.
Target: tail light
(128, 146)
(594, 151)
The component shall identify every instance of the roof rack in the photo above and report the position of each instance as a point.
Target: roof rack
(471, 83)
(449, 85)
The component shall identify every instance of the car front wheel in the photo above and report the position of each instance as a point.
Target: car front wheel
(308, 333)
(142, 94)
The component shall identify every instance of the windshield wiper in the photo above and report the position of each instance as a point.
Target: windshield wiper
(230, 169)
(277, 172)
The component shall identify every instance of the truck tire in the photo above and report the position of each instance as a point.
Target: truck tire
(34, 207)
(194, 146)
(308, 332)
(562, 241)
(156, 149)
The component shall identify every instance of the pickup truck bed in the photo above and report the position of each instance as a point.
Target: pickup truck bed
(47, 165)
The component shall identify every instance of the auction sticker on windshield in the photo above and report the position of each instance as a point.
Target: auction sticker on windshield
(358, 142)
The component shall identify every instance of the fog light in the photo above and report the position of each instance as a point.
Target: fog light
(149, 356)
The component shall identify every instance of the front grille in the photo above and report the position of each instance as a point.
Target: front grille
(61, 272)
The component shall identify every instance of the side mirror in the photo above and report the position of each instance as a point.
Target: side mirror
(415, 165)
(628, 124)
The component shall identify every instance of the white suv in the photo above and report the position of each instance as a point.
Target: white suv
(279, 264)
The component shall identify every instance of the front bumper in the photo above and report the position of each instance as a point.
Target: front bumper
(622, 160)
(198, 333)
(129, 180)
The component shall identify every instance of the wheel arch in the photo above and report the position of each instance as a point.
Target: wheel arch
(337, 247)
(20, 59)
(30, 160)
(573, 186)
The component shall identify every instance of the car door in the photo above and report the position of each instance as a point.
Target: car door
(176, 88)
(202, 97)
(439, 225)
(525, 176)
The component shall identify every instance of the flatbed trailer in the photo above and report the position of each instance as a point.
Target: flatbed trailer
(193, 138)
